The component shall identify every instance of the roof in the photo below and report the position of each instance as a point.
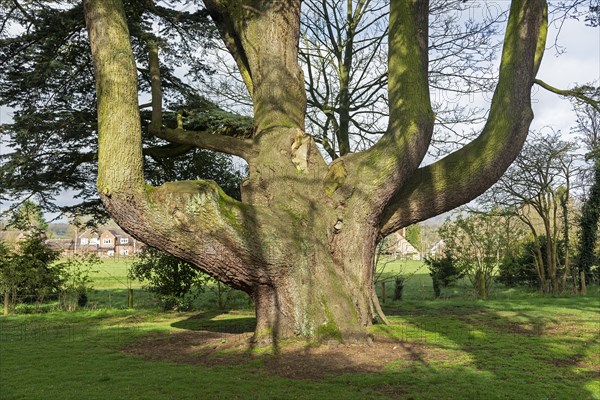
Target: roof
(60, 244)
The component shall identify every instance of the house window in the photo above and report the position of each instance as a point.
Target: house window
(106, 241)
(124, 252)
(124, 240)
(85, 240)
(94, 241)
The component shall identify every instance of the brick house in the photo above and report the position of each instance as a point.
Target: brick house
(110, 242)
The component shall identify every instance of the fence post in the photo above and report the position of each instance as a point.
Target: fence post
(130, 298)
(383, 296)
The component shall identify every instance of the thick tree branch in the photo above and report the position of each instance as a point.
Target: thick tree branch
(206, 140)
(243, 148)
(156, 86)
(468, 172)
(209, 229)
(570, 93)
(399, 152)
(226, 24)
(263, 38)
(167, 151)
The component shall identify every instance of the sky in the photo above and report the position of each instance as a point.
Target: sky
(579, 63)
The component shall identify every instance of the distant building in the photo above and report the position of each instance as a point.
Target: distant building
(437, 249)
(399, 247)
(63, 246)
(110, 242)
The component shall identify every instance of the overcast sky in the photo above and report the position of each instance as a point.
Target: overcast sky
(579, 64)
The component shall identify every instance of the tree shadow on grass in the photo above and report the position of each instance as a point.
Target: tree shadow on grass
(217, 321)
(520, 352)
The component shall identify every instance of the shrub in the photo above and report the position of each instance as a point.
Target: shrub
(76, 281)
(39, 278)
(398, 287)
(520, 269)
(171, 279)
(443, 271)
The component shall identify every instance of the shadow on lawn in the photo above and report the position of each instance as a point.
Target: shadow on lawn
(210, 321)
(520, 353)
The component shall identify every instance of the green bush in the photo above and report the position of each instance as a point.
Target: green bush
(38, 277)
(443, 271)
(175, 282)
(520, 269)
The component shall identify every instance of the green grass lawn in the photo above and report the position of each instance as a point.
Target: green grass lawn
(111, 273)
(109, 283)
(517, 345)
(529, 348)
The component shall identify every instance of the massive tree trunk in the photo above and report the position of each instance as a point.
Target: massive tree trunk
(302, 240)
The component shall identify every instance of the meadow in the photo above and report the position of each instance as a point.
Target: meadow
(517, 345)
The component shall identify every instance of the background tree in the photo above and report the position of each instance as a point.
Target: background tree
(39, 277)
(47, 79)
(303, 238)
(536, 188)
(76, 281)
(413, 235)
(476, 244)
(588, 127)
(9, 279)
(29, 217)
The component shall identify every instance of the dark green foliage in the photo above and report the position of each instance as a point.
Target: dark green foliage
(520, 270)
(516, 271)
(588, 234)
(38, 277)
(398, 287)
(47, 78)
(175, 282)
(443, 271)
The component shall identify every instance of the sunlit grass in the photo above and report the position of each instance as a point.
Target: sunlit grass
(534, 348)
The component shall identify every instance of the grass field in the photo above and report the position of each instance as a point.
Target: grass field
(518, 345)
(535, 348)
(110, 284)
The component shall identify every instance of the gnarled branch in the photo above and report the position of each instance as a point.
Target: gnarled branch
(243, 148)
(399, 152)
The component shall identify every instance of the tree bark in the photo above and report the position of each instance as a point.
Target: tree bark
(302, 240)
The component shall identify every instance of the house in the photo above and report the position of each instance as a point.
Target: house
(437, 249)
(63, 246)
(399, 247)
(11, 238)
(110, 242)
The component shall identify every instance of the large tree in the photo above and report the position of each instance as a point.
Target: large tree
(302, 240)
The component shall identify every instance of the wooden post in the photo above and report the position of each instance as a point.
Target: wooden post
(582, 277)
(383, 296)
(130, 298)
